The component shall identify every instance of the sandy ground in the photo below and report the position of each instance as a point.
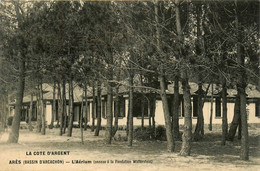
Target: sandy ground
(207, 154)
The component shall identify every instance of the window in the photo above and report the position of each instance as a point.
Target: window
(23, 116)
(34, 113)
(94, 108)
(181, 107)
(57, 109)
(77, 112)
(139, 102)
(170, 104)
(121, 107)
(218, 107)
(84, 110)
(195, 106)
(104, 109)
(257, 108)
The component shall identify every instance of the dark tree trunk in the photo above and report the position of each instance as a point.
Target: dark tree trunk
(98, 109)
(4, 109)
(109, 114)
(63, 104)
(142, 104)
(199, 126)
(153, 115)
(71, 107)
(168, 124)
(186, 137)
(14, 134)
(149, 112)
(30, 113)
(81, 121)
(65, 119)
(42, 111)
(224, 113)
(167, 118)
(93, 107)
(86, 107)
(175, 113)
(53, 105)
(39, 113)
(142, 120)
(239, 136)
(59, 104)
(127, 119)
(244, 151)
(235, 121)
(130, 122)
(199, 130)
(211, 108)
(117, 110)
(65, 114)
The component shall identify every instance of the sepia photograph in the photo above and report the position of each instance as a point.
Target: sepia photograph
(152, 85)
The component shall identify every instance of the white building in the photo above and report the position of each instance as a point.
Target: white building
(253, 106)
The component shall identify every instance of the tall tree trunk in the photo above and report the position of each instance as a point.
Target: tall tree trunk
(211, 108)
(199, 126)
(86, 107)
(108, 134)
(176, 105)
(244, 151)
(81, 121)
(242, 83)
(239, 136)
(4, 107)
(2, 112)
(65, 116)
(224, 113)
(186, 137)
(65, 113)
(130, 122)
(128, 112)
(199, 130)
(59, 105)
(14, 134)
(63, 105)
(149, 112)
(142, 112)
(117, 111)
(30, 113)
(71, 111)
(142, 104)
(53, 114)
(98, 109)
(93, 107)
(168, 124)
(153, 115)
(5, 112)
(42, 111)
(39, 109)
(235, 121)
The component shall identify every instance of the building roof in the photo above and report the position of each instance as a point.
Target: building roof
(251, 91)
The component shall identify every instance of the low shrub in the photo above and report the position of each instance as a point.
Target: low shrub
(160, 133)
(144, 134)
(119, 137)
(147, 133)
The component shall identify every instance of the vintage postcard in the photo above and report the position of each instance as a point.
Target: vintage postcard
(129, 85)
